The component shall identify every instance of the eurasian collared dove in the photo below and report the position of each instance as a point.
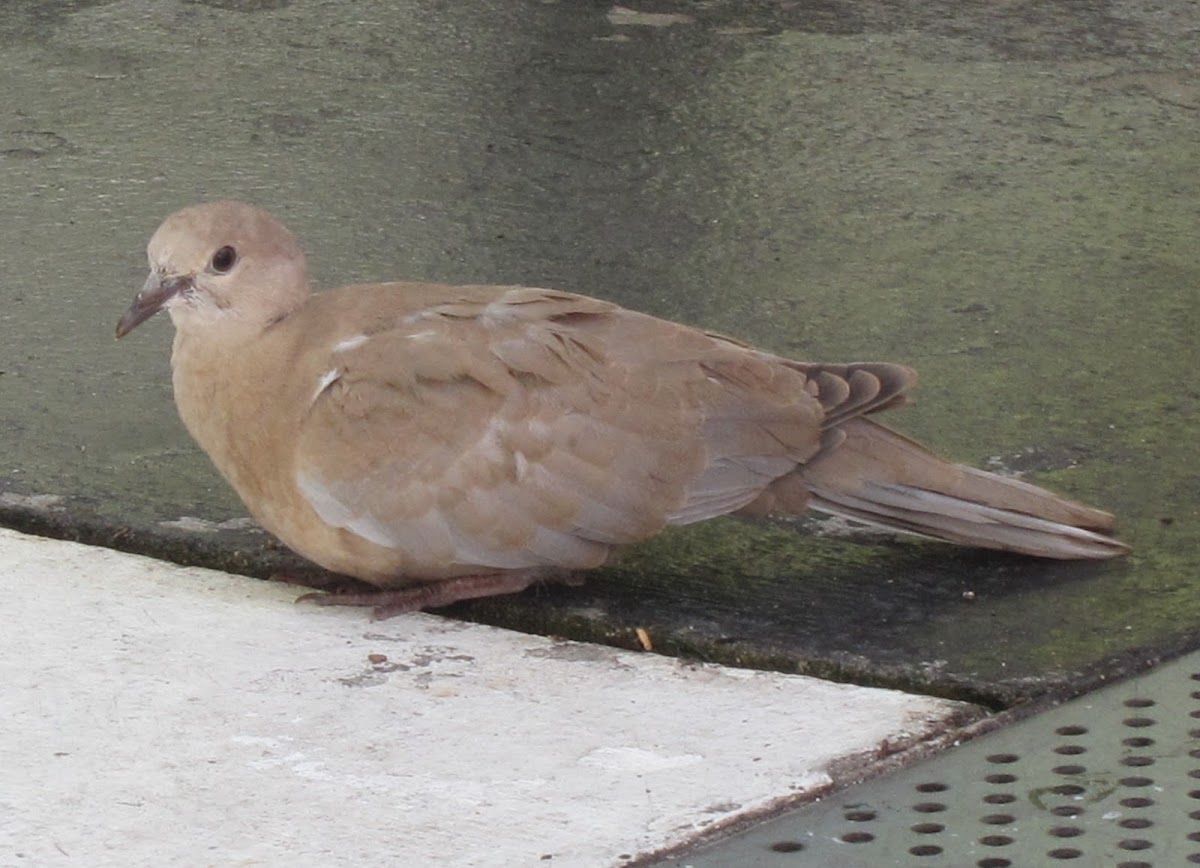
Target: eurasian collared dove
(460, 441)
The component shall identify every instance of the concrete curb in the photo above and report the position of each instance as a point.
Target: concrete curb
(155, 714)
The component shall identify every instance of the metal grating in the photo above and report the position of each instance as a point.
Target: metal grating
(1111, 778)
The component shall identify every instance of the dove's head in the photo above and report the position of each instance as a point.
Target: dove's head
(224, 264)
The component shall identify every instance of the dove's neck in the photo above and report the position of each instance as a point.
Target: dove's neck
(228, 372)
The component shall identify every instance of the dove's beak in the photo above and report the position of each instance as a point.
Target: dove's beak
(155, 293)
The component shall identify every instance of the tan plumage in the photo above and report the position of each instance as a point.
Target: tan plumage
(407, 433)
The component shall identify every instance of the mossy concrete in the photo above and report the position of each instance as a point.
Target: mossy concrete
(1002, 197)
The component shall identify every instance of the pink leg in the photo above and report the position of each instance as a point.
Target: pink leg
(389, 603)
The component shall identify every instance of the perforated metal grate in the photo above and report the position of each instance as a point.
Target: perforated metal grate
(1111, 778)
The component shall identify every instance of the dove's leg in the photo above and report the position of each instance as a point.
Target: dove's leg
(434, 595)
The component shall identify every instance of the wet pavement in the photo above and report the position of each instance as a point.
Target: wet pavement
(1003, 197)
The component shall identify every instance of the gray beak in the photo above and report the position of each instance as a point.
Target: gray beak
(156, 292)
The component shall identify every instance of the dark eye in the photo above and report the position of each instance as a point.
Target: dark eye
(223, 259)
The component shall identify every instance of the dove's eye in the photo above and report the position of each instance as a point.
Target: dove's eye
(223, 259)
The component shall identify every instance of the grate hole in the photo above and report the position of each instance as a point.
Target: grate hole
(1000, 779)
(1137, 741)
(997, 819)
(931, 788)
(1069, 770)
(1194, 754)
(1137, 802)
(996, 840)
(787, 846)
(1001, 758)
(1194, 713)
(858, 837)
(925, 850)
(929, 807)
(1071, 730)
(1067, 811)
(1067, 790)
(1194, 794)
(1136, 782)
(1134, 844)
(927, 828)
(859, 816)
(1140, 722)
(1066, 831)
(1138, 702)
(1138, 761)
(999, 798)
(1194, 773)
(994, 862)
(1135, 823)
(1194, 733)
(1070, 749)
(1134, 865)
(1065, 853)
(1195, 815)
(1193, 836)
(1194, 858)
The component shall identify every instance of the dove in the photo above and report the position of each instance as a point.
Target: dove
(447, 442)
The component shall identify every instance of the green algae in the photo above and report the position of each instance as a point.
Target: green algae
(1004, 201)
(728, 553)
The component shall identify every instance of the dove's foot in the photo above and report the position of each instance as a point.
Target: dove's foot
(397, 601)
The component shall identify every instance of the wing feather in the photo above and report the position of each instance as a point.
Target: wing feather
(521, 428)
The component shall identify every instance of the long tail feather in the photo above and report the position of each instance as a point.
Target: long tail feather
(879, 476)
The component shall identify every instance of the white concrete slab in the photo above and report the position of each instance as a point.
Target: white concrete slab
(156, 715)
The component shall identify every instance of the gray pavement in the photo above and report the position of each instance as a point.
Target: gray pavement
(161, 715)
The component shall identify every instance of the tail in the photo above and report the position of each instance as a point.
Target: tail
(879, 476)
